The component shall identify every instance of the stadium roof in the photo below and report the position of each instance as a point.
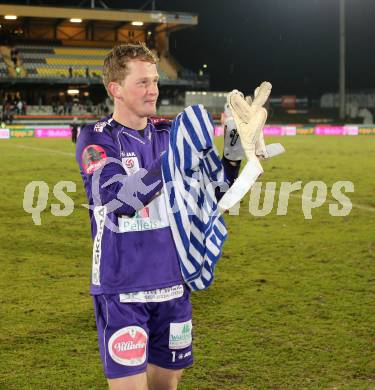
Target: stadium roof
(171, 21)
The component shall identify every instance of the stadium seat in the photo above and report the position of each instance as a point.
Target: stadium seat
(54, 62)
(50, 62)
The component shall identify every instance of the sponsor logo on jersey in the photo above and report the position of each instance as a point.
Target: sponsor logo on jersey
(180, 335)
(139, 224)
(143, 213)
(128, 154)
(130, 164)
(100, 215)
(158, 295)
(99, 126)
(128, 346)
(154, 216)
(93, 158)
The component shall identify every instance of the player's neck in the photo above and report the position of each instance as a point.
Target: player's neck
(129, 119)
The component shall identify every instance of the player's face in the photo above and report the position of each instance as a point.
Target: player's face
(139, 90)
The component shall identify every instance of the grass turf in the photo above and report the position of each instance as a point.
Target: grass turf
(292, 306)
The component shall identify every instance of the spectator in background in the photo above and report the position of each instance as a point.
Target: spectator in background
(88, 104)
(70, 72)
(68, 105)
(60, 109)
(74, 128)
(24, 108)
(7, 112)
(14, 56)
(19, 106)
(54, 106)
(4, 107)
(87, 72)
(366, 115)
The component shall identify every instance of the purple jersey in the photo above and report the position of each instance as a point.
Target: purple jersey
(133, 244)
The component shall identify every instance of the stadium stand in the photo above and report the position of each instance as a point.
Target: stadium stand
(55, 62)
(44, 47)
(52, 62)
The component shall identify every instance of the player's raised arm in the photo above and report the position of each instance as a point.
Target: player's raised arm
(249, 117)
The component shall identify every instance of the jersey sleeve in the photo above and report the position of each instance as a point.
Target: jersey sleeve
(105, 178)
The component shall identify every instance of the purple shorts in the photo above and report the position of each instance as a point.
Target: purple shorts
(135, 329)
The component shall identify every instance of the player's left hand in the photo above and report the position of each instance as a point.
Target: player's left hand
(256, 119)
(249, 118)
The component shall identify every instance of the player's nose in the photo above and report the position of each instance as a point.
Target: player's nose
(154, 90)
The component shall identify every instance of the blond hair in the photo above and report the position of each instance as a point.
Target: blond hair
(115, 62)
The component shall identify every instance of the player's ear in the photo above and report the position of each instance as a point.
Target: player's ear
(115, 89)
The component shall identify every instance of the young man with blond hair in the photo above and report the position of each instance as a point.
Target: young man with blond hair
(142, 306)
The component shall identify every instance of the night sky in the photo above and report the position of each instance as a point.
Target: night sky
(292, 43)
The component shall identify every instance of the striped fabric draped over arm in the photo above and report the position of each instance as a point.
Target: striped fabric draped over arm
(191, 171)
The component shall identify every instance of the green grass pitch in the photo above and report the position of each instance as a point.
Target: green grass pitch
(292, 306)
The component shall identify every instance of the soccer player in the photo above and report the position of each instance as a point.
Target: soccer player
(142, 306)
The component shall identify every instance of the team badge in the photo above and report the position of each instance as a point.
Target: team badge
(128, 346)
(130, 164)
(93, 158)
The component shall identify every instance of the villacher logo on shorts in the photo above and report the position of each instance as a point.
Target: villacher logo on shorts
(128, 346)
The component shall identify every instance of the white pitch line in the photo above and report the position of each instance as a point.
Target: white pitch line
(355, 205)
(47, 150)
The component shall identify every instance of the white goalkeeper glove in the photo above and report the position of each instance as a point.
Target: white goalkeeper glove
(249, 122)
(250, 117)
(262, 150)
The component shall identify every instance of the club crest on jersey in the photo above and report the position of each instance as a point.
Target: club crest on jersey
(130, 163)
